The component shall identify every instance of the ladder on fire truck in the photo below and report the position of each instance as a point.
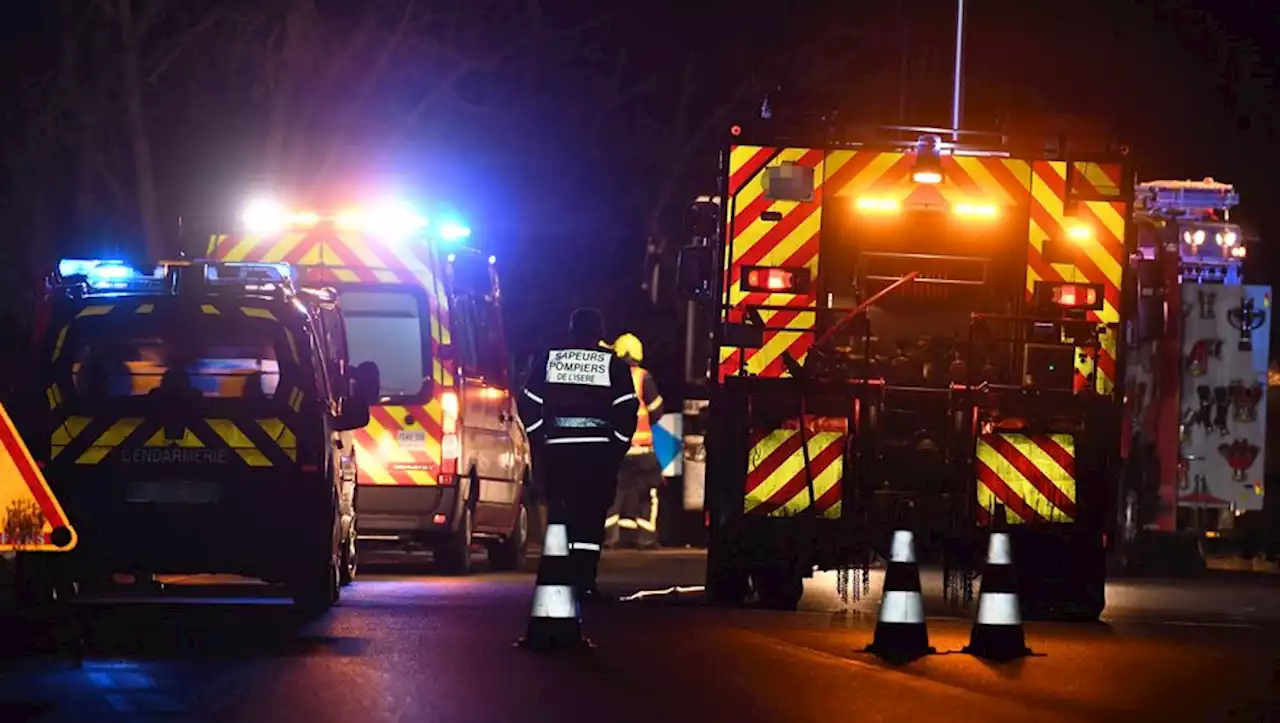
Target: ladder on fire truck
(1185, 199)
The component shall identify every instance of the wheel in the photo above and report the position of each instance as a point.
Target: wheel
(454, 555)
(37, 583)
(726, 584)
(779, 589)
(318, 586)
(350, 558)
(509, 554)
(318, 591)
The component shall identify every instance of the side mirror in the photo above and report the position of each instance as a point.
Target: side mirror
(694, 271)
(366, 384)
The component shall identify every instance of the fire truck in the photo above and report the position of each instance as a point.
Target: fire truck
(1197, 378)
(913, 326)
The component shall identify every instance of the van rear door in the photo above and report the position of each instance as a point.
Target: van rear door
(167, 402)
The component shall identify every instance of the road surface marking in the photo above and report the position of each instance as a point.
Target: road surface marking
(1194, 624)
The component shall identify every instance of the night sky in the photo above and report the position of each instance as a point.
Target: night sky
(562, 151)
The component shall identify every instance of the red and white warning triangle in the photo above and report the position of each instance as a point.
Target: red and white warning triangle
(30, 516)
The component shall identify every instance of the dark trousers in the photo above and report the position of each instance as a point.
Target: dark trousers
(633, 518)
(580, 480)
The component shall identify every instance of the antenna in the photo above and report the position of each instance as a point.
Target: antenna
(957, 97)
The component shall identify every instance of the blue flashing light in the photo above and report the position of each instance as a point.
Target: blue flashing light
(454, 231)
(82, 267)
(107, 274)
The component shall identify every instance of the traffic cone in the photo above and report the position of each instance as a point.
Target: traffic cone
(997, 632)
(901, 634)
(555, 621)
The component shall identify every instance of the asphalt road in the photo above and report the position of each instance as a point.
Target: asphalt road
(404, 645)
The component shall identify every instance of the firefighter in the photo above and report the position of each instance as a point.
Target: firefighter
(633, 520)
(579, 408)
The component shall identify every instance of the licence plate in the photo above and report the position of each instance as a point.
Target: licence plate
(175, 492)
(412, 440)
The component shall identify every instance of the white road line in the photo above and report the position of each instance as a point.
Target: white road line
(1194, 624)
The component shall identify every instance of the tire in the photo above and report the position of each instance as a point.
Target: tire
(726, 584)
(349, 563)
(778, 589)
(316, 590)
(37, 583)
(453, 557)
(509, 554)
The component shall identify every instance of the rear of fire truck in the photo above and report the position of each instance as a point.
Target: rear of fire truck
(912, 331)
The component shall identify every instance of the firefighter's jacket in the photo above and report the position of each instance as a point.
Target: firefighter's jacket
(579, 395)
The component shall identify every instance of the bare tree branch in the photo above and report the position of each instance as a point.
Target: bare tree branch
(371, 77)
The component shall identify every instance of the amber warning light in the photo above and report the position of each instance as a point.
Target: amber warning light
(775, 280)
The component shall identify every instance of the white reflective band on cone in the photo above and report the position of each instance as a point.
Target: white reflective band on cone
(557, 542)
(900, 606)
(902, 549)
(998, 608)
(553, 601)
(998, 549)
(584, 546)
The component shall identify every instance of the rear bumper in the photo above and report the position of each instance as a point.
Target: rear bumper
(406, 515)
(269, 529)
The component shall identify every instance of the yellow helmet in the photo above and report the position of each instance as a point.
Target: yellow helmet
(628, 346)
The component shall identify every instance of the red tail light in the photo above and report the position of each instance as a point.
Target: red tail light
(450, 447)
(1075, 296)
(775, 280)
(1070, 296)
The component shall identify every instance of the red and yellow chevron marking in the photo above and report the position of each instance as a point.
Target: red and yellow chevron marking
(1042, 187)
(384, 458)
(752, 241)
(1033, 476)
(776, 482)
(791, 241)
(329, 256)
(1094, 181)
(887, 175)
(1097, 259)
(324, 246)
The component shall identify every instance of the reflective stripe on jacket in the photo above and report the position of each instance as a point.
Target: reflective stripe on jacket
(579, 396)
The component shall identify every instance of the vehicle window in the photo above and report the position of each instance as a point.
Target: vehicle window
(492, 346)
(319, 363)
(484, 352)
(218, 360)
(389, 328)
(464, 336)
(336, 345)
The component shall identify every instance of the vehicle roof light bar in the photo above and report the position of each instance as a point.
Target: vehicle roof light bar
(1185, 199)
(97, 276)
